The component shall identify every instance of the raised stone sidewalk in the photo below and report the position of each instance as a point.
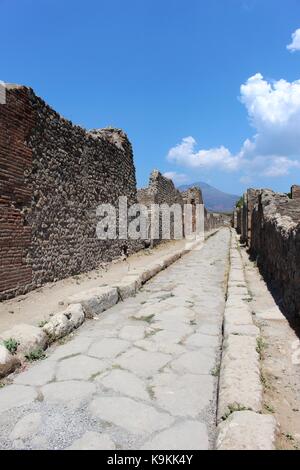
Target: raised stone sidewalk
(242, 426)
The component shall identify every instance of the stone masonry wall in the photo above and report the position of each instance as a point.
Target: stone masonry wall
(161, 190)
(274, 241)
(53, 175)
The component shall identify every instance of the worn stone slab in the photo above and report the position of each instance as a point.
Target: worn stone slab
(71, 393)
(37, 374)
(93, 441)
(125, 383)
(173, 325)
(13, 396)
(210, 329)
(26, 427)
(195, 362)
(181, 314)
(189, 435)
(149, 272)
(241, 330)
(108, 348)
(78, 345)
(136, 418)
(79, 368)
(240, 385)
(62, 323)
(236, 290)
(8, 362)
(237, 316)
(135, 361)
(95, 301)
(269, 314)
(166, 348)
(186, 395)
(30, 338)
(246, 430)
(132, 332)
(170, 259)
(199, 340)
(127, 287)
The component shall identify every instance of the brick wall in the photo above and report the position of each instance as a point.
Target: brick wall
(17, 118)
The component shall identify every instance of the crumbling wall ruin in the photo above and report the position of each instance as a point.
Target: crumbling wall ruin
(53, 176)
(273, 238)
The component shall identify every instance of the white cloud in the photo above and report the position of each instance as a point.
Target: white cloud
(177, 178)
(295, 44)
(185, 154)
(274, 112)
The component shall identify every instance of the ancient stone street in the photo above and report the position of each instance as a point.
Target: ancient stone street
(143, 375)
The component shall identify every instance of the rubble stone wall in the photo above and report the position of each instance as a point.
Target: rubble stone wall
(53, 176)
(274, 241)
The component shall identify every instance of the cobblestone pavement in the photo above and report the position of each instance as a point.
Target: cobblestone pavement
(142, 376)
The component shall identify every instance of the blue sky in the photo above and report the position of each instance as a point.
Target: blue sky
(169, 73)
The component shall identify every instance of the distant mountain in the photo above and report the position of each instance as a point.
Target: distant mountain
(214, 199)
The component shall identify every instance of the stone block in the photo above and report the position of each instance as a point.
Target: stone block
(95, 301)
(64, 322)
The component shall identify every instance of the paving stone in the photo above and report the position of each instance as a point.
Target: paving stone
(108, 348)
(195, 362)
(135, 361)
(237, 316)
(79, 368)
(93, 441)
(27, 426)
(246, 430)
(185, 395)
(78, 345)
(71, 393)
(173, 325)
(199, 340)
(240, 384)
(189, 435)
(134, 417)
(13, 396)
(38, 374)
(132, 332)
(125, 383)
(241, 330)
(211, 329)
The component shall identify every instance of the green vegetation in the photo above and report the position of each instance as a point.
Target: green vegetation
(35, 355)
(261, 346)
(234, 407)
(11, 344)
(240, 202)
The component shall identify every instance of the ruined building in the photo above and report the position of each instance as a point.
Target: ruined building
(269, 224)
(53, 176)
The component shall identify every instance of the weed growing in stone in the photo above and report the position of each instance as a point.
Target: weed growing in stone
(216, 371)
(261, 346)
(11, 344)
(35, 355)
(269, 408)
(234, 407)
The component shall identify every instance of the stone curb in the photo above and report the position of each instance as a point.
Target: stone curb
(241, 424)
(86, 304)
